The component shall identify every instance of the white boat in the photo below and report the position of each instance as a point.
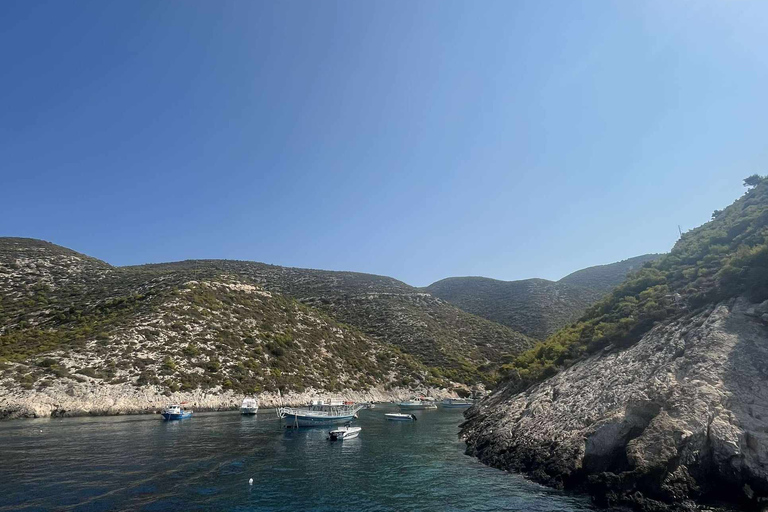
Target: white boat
(320, 413)
(249, 406)
(344, 433)
(419, 402)
(456, 403)
(399, 416)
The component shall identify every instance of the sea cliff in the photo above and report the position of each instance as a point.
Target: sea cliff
(676, 420)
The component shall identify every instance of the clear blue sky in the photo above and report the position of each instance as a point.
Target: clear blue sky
(419, 140)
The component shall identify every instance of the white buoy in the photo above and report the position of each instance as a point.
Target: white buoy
(250, 482)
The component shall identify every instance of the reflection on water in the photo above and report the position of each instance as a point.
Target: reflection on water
(204, 463)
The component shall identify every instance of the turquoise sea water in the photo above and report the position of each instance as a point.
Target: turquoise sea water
(204, 463)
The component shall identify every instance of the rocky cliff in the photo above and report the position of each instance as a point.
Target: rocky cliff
(658, 396)
(678, 418)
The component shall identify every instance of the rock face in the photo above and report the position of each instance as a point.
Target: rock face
(678, 419)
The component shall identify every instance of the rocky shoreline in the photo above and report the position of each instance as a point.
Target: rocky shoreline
(675, 422)
(71, 398)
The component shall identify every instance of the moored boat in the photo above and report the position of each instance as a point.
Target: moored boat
(176, 412)
(342, 433)
(418, 403)
(319, 413)
(399, 416)
(249, 406)
(456, 403)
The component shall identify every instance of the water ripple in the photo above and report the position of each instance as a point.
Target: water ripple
(143, 464)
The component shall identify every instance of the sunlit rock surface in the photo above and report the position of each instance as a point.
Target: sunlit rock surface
(676, 420)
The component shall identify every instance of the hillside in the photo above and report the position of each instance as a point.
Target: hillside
(656, 398)
(225, 325)
(437, 333)
(603, 278)
(724, 258)
(536, 307)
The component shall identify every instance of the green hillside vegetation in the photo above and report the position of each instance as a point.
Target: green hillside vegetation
(603, 278)
(724, 258)
(535, 307)
(457, 345)
(233, 325)
(184, 334)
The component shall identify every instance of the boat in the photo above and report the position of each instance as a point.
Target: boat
(345, 432)
(456, 403)
(399, 416)
(176, 412)
(320, 413)
(249, 406)
(420, 402)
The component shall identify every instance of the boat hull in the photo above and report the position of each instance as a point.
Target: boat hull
(456, 406)
(249, 411)
(167, 416)
(316, 421)
(416, 407)
(344, 433)
(406, 417)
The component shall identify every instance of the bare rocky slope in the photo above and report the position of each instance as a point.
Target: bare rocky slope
(657, 398)
(77, 334)
(437, 332)
(536, 307)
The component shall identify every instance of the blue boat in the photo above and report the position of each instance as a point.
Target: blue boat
(175, 412)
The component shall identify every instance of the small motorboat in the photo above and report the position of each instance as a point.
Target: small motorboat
(344, 433)
(176, 412)
(249, 406)
(399, 416)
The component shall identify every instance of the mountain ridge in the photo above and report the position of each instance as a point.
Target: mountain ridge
(536, 307)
